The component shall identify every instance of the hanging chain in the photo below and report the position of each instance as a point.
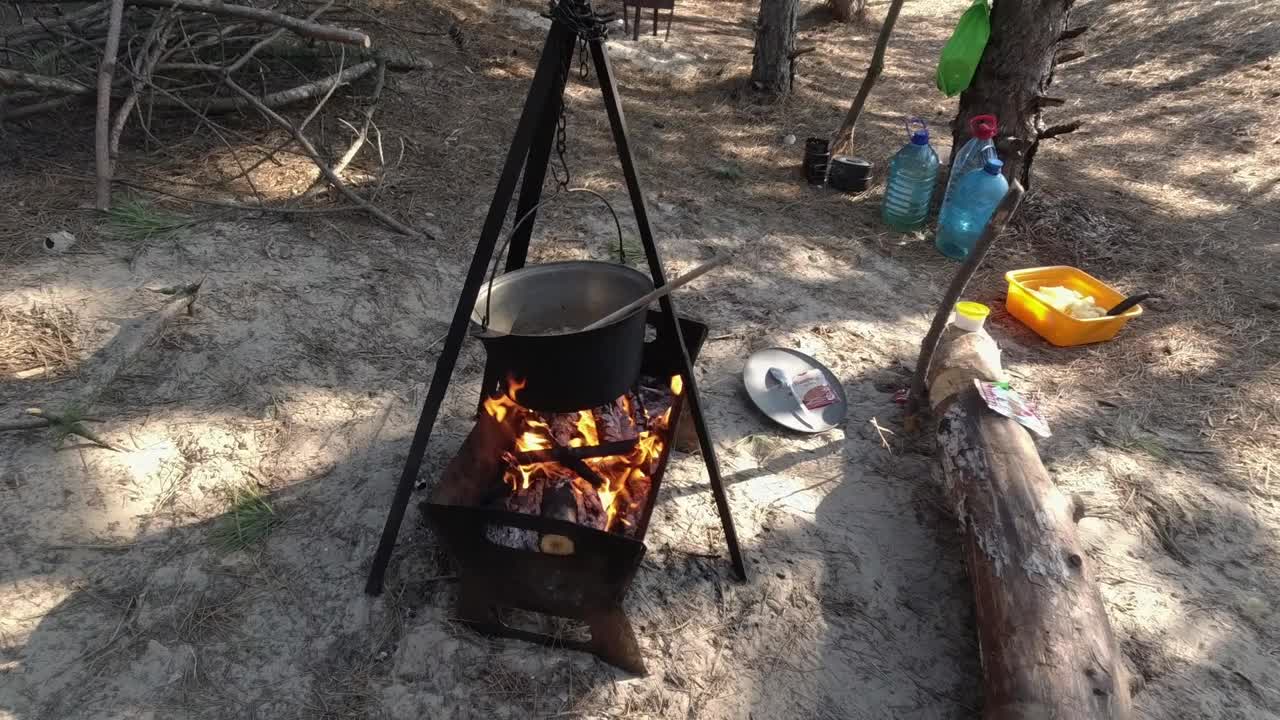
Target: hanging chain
(561, 147)
(587, 25)
(562, 144)
(584, 70)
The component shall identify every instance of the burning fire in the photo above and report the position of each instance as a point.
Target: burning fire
(619, 472)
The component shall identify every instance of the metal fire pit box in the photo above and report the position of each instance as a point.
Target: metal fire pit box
(587, 586)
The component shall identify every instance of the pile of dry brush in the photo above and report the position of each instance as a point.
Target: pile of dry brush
(142, 61)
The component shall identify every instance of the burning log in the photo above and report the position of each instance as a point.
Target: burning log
(527, 501)
(563, 454)
(616, 421)
(563, 427)
(591, 512)
(591, 468)
(638, 487)
(562, 499)
(656, 400)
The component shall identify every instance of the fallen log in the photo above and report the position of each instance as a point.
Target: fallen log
(1047, 646)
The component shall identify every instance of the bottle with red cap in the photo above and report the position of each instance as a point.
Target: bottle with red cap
(972, 155)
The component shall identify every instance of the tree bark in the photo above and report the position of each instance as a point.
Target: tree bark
(1047, 647)
(1015, 72)
(775, 46)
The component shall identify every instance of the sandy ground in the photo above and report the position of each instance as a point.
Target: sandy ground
(305, 366)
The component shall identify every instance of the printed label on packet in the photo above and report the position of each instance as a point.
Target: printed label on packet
(811, 389)
(1010, 403)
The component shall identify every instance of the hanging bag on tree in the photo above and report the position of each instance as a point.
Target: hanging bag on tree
(961, 54)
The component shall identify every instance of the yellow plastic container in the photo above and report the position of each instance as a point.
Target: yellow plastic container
(1054, 325)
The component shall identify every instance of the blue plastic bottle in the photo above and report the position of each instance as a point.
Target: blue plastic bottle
(966, 212)
(972, 155)
(913, 174)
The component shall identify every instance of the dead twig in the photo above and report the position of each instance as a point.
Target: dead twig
(305, 28)
(152, 48)
(10, 79)
(320, 163)
(133, 337)
(842, 139)
(361, 136)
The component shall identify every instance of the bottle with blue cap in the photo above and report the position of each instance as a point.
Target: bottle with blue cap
(969, 206)
(913, 174)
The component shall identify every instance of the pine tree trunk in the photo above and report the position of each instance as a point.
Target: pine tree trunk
(771, 71)
(1013, 80)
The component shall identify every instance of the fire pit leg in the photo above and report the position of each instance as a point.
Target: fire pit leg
(613, 640)
(609, 87)
(547, 81)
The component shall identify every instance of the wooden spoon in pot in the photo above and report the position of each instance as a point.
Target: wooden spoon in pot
(660, 291)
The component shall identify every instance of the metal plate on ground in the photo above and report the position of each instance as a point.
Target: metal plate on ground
(775, 399)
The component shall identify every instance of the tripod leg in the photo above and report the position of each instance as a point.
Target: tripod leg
(543, 81)
(618, 123)
(535, 173)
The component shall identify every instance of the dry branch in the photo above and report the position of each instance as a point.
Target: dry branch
(305, 28)
(1068, 56)
(123, 349)
(916, 395)
(1074, 32)
(37, 108)
(842, 140)
(134, 336)
(292, 95)
(102, 125)
(44, 83)
(1055, 130)
(320, 163)
(361, 136)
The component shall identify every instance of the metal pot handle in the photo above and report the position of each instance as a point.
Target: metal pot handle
(493, 274)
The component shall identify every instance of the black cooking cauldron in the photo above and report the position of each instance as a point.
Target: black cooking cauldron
(530, 322)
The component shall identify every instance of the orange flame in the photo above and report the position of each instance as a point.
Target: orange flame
(619, 472)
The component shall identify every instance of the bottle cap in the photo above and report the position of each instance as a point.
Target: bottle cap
(983, 127)
(970, 315)
(919, 136)
(993, 166)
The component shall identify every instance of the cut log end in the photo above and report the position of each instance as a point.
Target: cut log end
(556, 545)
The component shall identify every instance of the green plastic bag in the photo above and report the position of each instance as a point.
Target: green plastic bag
(962, 52)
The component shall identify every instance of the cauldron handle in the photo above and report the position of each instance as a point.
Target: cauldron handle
(493, 274)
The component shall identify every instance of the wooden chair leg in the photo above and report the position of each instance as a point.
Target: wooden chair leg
(635, 29)
(626, 21)
(670, 14)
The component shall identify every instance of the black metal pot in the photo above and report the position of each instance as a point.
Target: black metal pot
(532, 332)
(849, 174)
(817, 154)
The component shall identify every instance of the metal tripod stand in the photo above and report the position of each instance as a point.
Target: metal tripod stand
(530, 150)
